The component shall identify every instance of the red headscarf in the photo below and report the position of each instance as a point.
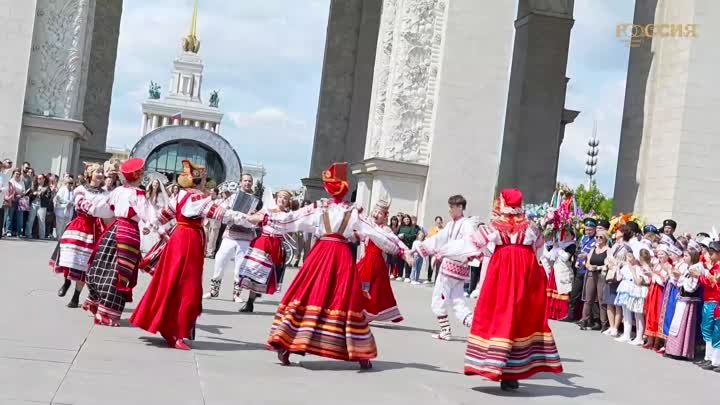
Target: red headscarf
(133, 169)
(335, 180)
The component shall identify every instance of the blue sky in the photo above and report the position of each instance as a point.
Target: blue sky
(265, 57)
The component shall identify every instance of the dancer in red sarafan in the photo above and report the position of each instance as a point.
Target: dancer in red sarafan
(112, 274)
(510, 339)
(380, 304)
(172, 301)
(322, 312)
(262, 268)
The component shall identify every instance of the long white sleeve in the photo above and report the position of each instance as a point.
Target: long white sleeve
(461, 250)
(385, 239)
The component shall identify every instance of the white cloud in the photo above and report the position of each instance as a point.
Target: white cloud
(263, 117)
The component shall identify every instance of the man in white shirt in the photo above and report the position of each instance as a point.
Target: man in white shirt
(450, 282)
(235, 244)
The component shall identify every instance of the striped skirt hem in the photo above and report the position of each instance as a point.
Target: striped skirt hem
(334, 334)
(512, 359)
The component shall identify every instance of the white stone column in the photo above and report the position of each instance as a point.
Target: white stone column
(196, 124)
(208, 125)
(143, 127)
(217, 128)
(186, 122)
(165, 121)
(176, 121)
(154, 124)
(196, 86)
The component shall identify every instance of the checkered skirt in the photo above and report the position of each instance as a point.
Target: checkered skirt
(108, 293)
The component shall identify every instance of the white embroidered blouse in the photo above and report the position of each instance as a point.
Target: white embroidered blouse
(340, 218)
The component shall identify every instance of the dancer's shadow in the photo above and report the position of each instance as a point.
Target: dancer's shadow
(214, 329)
(377, 366)
(219, 344)
(211, 311)
(261, 301)
(568, 390)
(569, 360)
(536, 390)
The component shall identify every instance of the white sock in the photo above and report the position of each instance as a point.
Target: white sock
(715, 358)
(708, 351)
(640, 323)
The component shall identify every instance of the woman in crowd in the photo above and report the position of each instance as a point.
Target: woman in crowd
(615, 261)
(393, 262)
(63, 207)
(50, 221)
(672, 289)
(157, 199)
(72, 253)
(681, 336)
(593, 288)
(40, 198)
(14, 215)
(407, 232)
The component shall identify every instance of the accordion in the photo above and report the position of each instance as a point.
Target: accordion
(247, 204)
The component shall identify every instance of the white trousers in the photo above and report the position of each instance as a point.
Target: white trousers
(230, 249)
(449, 292)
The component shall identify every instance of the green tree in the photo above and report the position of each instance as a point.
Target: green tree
(593, 200)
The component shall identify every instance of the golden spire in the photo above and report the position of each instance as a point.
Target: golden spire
(191, 43)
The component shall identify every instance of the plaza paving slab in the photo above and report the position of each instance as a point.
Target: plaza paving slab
(50, 354)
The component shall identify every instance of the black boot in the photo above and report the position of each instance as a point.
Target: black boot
(75, 300)
(64, 288)
(248, 307)
(509, 385)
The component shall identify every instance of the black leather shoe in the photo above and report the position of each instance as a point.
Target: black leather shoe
(64, 288)
(248, 307)
(568, 318)
(596, 326)
(703, 363)
(509, 385)
(708, 366)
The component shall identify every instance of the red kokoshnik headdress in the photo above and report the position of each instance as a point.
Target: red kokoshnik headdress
(335, 180)
(133, 169)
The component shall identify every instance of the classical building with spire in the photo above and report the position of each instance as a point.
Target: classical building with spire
(181, 126)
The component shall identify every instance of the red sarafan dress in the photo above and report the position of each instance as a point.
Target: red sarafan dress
(380, 304)
(172, 301)
(510, 338)
(264, 264)
(322, 312)
(653, 303)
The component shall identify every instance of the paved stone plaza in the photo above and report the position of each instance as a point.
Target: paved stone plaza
(54, 355)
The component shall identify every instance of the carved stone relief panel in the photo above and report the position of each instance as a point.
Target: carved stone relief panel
(410, 90)
(61, 40)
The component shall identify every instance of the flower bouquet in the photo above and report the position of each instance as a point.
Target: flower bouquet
(622, 219)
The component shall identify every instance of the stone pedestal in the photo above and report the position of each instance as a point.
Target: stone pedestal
(53, 144)
(536, 98)
(345, 88)
(403, 182)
